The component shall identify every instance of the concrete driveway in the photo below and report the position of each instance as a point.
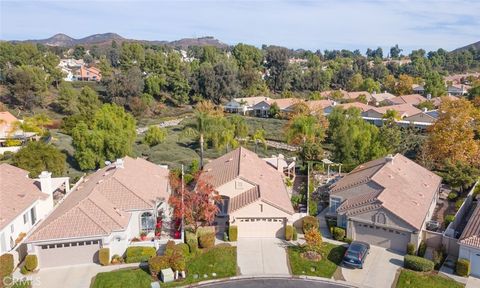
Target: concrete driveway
(380, 266)
(262, 256)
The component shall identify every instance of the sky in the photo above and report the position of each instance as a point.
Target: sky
(313, 25)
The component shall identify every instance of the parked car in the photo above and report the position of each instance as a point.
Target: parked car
(356, 254)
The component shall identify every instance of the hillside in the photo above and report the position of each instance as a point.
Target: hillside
(475, 46)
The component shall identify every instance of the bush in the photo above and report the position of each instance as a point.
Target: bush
(6, 265)
(437, 257)
(177, 261)
(338, 233)
(139, 254)
(157, 263)
(189, 235)
(417, 263)
(295, 235)
(422, 248)
(24, 270)
(449, 219)
(169, 247)
(31, 262)
(104, 256)
(309, 222)
(452, 196)
(233, 233)
(459, 203)
(463, 267)
(192, 245)
(183, 248)
(117, 259)
(313, 238)
(348, 240)
(288, 232)
(410, 249)
(154, 135)
(207, 240)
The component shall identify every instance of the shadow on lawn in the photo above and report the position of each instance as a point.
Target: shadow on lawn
(336, 254)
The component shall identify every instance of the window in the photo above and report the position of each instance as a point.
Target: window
(12, 228)
(25, 218)
(33, 215)
(334, 203)
(261, 207)
(381, 218)
(147, 222)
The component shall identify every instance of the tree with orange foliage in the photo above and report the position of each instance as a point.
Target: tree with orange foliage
(198, 206)
(313, 238)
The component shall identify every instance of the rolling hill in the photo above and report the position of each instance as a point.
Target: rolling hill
(475, 46)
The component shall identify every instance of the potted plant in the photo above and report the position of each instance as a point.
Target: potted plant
(158, 228)
(143, 235)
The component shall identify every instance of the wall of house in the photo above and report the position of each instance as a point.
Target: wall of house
(421, 117)
(234, 187)
(466, 251)
(392, 221)
(260, 209)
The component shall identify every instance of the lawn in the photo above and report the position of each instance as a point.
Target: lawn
(332, 256)
(137, 278)
(412, 279)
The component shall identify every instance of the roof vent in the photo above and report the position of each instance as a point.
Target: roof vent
(119, 163)
(389, 158)
(415, 202)
(21, 195)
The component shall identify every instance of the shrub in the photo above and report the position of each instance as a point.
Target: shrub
(417, 263)
(449, 219)
(183, 248)
(104, 256)
(452, 196)
(295, 235)
(169, 247)
(348, 240)
(154, 135)
(31, 262)
(309, 222)
(137, 254)
(189, 235)
(338, 233)
(313, 238)
(422, 248)
(463, 267)
(410, 249)
(157, 263)
(207, 240)
(233, 233)
(177, 261)
(459, 203)
(192, 245)
(117, 259)
(24, 270)
(288, 232)
(6, 265)
(437, 257)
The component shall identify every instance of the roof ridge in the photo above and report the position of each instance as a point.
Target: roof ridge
(89, 217)
(108, 214)
(130, 190)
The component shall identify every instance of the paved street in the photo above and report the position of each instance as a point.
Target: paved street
(274, 283)
(381, 266)
(262, 256)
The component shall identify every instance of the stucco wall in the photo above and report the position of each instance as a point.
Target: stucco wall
(255, 210)
(231, 189)
(392, 221)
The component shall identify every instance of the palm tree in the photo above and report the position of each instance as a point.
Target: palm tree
(259, 136)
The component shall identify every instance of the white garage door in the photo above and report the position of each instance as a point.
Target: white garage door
(475, 264)
(72, 253)
(261, 227)
(383, 237)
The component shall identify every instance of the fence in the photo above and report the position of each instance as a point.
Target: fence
(433, 239)
(459, 216)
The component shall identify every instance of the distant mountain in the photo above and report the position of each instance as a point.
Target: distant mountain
(475, 46)
(63, 40)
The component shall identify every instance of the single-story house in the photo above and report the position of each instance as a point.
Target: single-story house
(110, 209)
(363, 107)
(24, 203)
(243, 105)
(385, 202)
(426, 116)
(261, 109)
(418, 89)
(457, 90)
(355, 94)
(404, 110)
(437, 101)
(469, 242)
(254, 196)
(381, 97)
(86, 73)
(412, 99)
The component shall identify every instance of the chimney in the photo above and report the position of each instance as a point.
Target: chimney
(389, 158)
(45, 179)
(119, 163)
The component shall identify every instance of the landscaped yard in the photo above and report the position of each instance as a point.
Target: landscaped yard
(412, 279)
(332, 256)
(134, 278)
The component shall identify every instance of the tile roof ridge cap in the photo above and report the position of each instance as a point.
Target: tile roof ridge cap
(119, 212)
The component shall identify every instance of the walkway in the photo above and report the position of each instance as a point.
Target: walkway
(262, 256)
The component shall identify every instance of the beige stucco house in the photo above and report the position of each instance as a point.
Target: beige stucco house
(385, 202)
(254, 195)
(109, 208)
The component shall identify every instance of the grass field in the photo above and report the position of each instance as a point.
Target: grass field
(412, 279)
(134, 278)
(332, 256)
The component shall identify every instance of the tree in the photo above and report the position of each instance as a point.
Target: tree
(88, 102)
(78, 52)
(111, 136)
(391, 116)
(274, 110)
(277, 64)
(259, 137)
(313, 239)
(67, 99)
(370, 85)
(460, 175)
(247, 56)
(356, 82)
(121, 87)
(27, 85)
(198, 206)
(426, 105)
(434, 85)
(395, 51)
(404, 85)
(240, 127)
(154, 135)
(306, 128)
(38, 156)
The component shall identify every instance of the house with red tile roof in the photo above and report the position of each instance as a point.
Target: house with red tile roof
(24, 202)
(254, 195)
(108, 209)
(469, 242)
(86, 73)
(412, 99)
(243, 105)
(385, 202)
(261, 108)
(10, 130)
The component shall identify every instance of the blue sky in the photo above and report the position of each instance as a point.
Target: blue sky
(304, 24)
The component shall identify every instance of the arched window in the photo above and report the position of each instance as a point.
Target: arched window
(381, 218)
(147, 222)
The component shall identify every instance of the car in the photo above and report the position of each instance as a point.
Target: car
(356, 254)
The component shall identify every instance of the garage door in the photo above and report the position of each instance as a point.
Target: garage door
(72, 253)
(383, 237)
(475, 264)
(261, 227)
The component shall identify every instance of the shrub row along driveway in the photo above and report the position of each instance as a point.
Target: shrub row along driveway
(262, 256)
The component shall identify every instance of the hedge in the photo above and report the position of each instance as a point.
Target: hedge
(104, 256)
(157, 263)
(177, 261)
(449, 219)
(137, 254)
(422, 248)
(309, 222)
(207, 240)
(463, 267)
(418, 263)
(295, 235)
(410, 249)
(192, 245)
(233, 233)
(169, 247)
(6, 265)
(288, 232)
(183, 248)
(338, 233)
(31, 262)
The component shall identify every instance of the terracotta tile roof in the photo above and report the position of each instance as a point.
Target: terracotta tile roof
(319, 104)
(408, 188)
(379, 97)
(404, 110)
(245, 164)
(471, 233)
(252, 100)
(101, 203)
(284, 102)
(359, 105)
(355, 94)
(413, 99)
(17, 193)
(437, 101)
(244, 199)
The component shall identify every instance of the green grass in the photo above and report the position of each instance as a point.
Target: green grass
(332, 256)
(220, 260)
(412, 279)
(274, 128)
(128, 278)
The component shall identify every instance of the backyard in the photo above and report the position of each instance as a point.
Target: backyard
(412, 279)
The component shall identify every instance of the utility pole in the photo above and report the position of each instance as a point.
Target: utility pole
(183, 209)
